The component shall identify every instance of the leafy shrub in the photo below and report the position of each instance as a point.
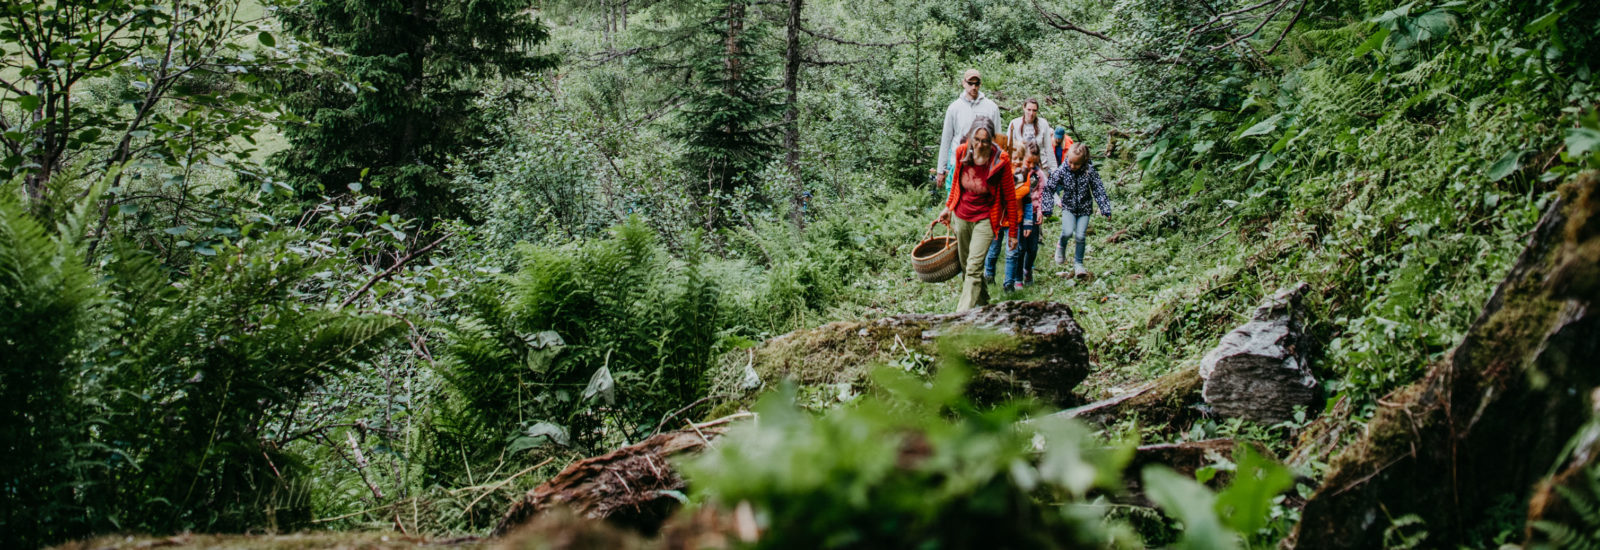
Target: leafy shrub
(580, 343)
(917, 466)
(196, 373)
(50, 300)
(147, 391)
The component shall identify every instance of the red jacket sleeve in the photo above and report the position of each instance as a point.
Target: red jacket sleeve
(954, 195)
(1010, 212)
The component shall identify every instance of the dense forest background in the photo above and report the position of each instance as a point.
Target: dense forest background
(272, 265)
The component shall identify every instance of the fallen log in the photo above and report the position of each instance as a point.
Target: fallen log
(633, 487)
(1171, 400)
(1489, 420)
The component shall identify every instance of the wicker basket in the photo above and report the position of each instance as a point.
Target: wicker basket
(934, 259)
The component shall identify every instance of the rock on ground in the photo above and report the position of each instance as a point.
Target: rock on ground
(1037, 350)
(1492, 418)
(1260, 370)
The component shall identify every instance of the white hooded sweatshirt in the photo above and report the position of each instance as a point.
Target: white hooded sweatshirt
(958, 119)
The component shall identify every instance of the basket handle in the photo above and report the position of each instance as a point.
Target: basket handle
(929, 232)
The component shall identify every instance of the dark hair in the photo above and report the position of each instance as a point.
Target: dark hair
(1033, 148)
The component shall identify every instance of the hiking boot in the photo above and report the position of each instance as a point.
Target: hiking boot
(1061, 255)
(1079, 272)
(1008, 288)
(1021, 285)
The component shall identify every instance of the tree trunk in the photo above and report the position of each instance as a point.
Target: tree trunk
(791, 115)
(1490, 420)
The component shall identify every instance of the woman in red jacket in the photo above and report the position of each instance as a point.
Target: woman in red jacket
(982, 203)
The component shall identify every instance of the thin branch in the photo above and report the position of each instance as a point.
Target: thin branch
(391, 271)
(1056, 20)
(826, 63)
(831, 38)
(1264, 21)
(608, 56)
(1296, 19)
(1221, 17)
(672, 105)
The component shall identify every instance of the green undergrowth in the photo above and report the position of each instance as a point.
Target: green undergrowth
(914, 464)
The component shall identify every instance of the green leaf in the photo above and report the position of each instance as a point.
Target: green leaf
(266, 39)
(1505, 166)
(1372, 42)
(1187, 501)
(29, 102)
(354, 187)
(1243, 506)
(1582, 141)
(1263, 127)
(1283, 142)
(1267, 160)
(1249, 162)
(1542, 23)
(1433, 24)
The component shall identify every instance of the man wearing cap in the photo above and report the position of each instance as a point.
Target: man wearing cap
(958, 119)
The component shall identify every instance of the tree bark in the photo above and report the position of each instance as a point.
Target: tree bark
(791, 115)
(1492, 417)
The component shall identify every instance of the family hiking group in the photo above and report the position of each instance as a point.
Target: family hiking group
(991, 199)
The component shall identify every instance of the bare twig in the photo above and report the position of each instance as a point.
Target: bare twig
(1259, 26)
(1056, 20)
(361, 465)
(349, 515)
(825, 62)
(1297, 12)
(391, 271)
(702, 434)
(608, 56)
(831, 38)
(672, 414)
(496, 486)
(724, 420)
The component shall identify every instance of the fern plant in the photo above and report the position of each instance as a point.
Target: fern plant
(196, 369)
(137, 394)
(48, 307)
(583, 345)
(1584, 499)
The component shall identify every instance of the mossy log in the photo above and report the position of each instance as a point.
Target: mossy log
(1491, 419)
(1168, 400)
(1037, 350)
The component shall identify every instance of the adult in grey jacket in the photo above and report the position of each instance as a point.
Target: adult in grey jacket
(1023, 131)
(958, 118)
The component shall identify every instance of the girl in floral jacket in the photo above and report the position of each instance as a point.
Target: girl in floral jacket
(1078, 183)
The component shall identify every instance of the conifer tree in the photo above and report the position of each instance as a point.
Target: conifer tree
(417, 56)
(732, 116)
